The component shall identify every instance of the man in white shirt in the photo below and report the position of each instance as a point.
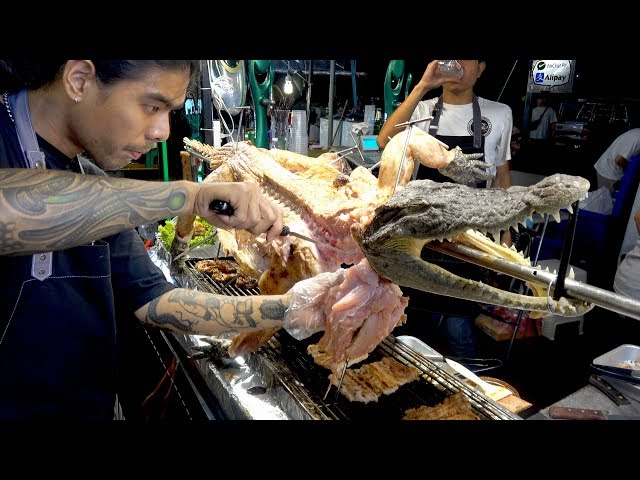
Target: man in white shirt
(611, 165)
(627, 279)
(546, 120)
(476, 125)
(456, 125)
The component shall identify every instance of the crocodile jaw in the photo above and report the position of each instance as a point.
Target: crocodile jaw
(393, 240)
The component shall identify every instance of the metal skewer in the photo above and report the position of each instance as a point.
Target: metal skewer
(356, 144)
(413, 122)
(404, 153)
(239, 125)
(344, 370)
(374, 165)
(582, 291)
(340, 157)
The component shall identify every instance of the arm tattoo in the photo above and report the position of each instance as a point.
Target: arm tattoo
(273, 310)
(53, 210)
(189, 311)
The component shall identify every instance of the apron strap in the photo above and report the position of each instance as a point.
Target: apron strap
(477, 120)
(41, 263)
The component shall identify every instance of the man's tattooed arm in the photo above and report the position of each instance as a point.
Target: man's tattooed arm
(52, 210)
(201, 313)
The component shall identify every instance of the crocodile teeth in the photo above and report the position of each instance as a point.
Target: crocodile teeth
(572, 274)
(556, 216)
(570, 209)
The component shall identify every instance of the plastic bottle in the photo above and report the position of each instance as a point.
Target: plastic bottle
(450, 68)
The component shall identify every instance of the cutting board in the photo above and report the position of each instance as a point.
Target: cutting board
(512, 402)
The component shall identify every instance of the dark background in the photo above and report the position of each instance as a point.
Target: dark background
(596, 79)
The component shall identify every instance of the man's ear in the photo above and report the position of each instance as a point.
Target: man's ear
(481, 67)
(78, 77)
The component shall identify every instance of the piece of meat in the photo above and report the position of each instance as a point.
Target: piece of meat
(369, 382)
(359, 313)
(322, 358)
(246, 282)
(220, 270)
(454, 407)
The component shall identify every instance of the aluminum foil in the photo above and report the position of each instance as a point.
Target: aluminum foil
(242, 390)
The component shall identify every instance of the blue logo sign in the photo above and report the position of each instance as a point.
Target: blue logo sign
(539, 77)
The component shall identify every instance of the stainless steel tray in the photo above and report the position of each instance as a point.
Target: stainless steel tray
(621, 354)
(611, 363)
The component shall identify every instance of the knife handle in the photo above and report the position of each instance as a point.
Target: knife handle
(608, 389)
(224, 208)
(568, 413)
(221, 207)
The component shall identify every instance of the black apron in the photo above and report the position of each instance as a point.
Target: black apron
(467, 143)
(438, 303)
(57, 331)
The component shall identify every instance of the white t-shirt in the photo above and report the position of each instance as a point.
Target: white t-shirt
(543, 131)
(627, 280)
(457, 120)
(627, 145)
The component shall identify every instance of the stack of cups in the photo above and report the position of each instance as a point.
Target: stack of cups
(299, 139)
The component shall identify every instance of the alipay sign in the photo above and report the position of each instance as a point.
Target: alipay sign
(553, 76)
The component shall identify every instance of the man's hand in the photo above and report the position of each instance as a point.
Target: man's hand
(306, 313)
(251, 210)
(432, 78)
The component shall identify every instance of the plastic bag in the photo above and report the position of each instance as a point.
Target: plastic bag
(305, 315)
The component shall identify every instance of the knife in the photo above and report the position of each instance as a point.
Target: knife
(570, 413)
(609, 390)
(628, 390)
(623, 374)
(224, 208)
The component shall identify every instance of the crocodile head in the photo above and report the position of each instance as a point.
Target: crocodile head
(426, 211)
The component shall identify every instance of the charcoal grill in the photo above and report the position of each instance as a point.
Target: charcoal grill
(281, 380)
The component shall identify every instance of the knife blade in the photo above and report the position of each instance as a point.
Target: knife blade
(571, 413)
(287, 231)
(616, 373)
(224, 208)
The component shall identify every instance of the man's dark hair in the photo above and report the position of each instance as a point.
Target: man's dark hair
(33, 73)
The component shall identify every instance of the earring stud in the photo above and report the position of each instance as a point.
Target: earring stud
(76, 100)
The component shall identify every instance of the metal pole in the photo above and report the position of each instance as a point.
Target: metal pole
(332, 76)
(353, 82)
(565, 257)
(604, 298)
(165, 161)
(309, 95)
(507, 81)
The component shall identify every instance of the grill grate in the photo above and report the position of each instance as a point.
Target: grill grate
(306, 383)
